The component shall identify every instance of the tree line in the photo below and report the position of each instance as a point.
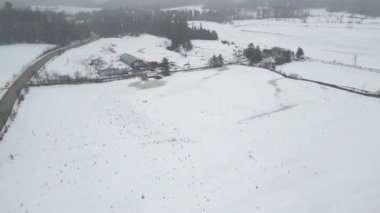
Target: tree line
(170, 24)
(37, 27)
(55, 28)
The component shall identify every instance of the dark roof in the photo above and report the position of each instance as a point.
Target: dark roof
(279, 49)
(128, 59)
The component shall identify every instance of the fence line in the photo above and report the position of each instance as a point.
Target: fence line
(344, 88)
(106, 79)
(194, 69)
(369, 69)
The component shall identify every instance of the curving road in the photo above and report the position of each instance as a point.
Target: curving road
(10, 97)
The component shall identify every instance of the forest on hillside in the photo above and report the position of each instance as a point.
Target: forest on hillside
(25, 25)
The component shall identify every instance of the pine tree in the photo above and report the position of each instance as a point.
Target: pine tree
(213, 61)
(165, 67)
(300, 54)
(257, 57)
(249, 52)
(220, 61)
(253, 54)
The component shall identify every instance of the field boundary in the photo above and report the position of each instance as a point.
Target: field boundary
(344, 88)
(195, 69)
(362, 68)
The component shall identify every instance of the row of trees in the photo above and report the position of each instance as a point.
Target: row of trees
(280, 56)
(33, 26)
(170, 24)
(253, 54)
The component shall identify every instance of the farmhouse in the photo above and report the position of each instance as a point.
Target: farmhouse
(265, 12)
(280, 55)
(133, 62)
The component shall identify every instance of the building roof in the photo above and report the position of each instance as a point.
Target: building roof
(128, 59)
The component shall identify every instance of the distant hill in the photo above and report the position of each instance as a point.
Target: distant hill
(24, 3)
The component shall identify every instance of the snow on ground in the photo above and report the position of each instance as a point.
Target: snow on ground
(322, 16)
(324, 41)
(192, 7)
(70, 10)
(15, 57)
(145, 47)
(235, 140)
(339, 75)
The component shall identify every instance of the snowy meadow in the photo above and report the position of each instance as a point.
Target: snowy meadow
(230, 139)
(193, 144)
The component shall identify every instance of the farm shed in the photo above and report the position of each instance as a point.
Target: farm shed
(133, 62)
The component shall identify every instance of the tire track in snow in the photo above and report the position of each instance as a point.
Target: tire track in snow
(281, 109)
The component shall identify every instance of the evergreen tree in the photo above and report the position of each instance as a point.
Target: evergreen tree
(300, 54)
(249, 52)
(253, 54)
(165, 67)
(220, 61)
(213, 61)
(257, 56)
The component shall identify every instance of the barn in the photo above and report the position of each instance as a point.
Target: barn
(133, 62)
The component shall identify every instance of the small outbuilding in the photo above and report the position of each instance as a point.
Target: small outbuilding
(133, 62)
(109, 72)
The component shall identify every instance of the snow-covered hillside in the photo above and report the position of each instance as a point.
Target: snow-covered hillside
(13, 58)
(70, 10)
(107, 52)
(239, 139)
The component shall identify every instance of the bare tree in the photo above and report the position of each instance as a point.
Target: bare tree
(355, 59)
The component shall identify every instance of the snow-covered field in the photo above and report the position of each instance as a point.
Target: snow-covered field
(333, 74)
(324, 37)
(235, 139)
(320, 40)
(239, 139)
(145, 47)
(340, 19)
(13, 58)
(70, 10)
